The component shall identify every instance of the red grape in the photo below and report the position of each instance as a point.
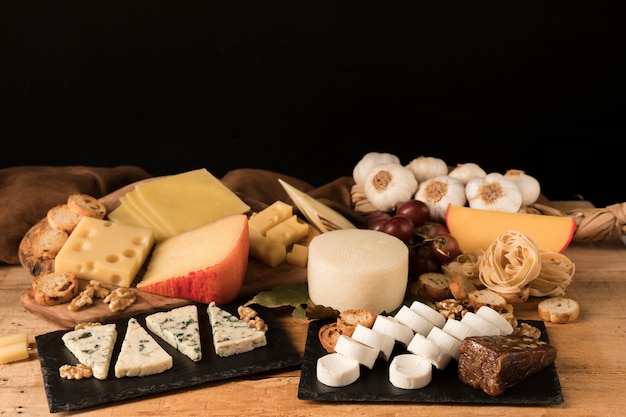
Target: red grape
(416, 210)
(445, 248)
(400, 227)
(432, 229)
(421, 260)
(376, 219)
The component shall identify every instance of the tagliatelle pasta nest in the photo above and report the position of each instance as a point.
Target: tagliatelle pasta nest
(557, 271)
(510, 263)
(466, 264)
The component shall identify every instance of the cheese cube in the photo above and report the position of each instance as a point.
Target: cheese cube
(270, 216)
(105, 251)
(265, 250)
(298, 255)
(288, 231)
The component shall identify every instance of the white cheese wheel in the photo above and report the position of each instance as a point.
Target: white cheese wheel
(350, 348)
(411, 318)
(377, 340)
(357, 269)
(336, 370)
(390, 326)
(432, 315)
(421, 345)
(496, 319)
(410, 371)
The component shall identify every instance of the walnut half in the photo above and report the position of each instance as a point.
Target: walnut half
(120, 298)
(78, 371)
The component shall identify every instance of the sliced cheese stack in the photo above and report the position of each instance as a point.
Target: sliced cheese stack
(177, 203)
(357, 269)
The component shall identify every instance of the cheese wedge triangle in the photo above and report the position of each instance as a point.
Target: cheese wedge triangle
(93, 347)
(232, 335)
(140, 354)
(178, 327)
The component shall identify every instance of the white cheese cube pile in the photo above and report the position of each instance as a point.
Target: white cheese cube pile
(430, 339)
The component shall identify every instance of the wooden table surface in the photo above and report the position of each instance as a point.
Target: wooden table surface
(591, 362)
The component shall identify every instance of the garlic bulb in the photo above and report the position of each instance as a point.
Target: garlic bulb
(467, 171)
(439, 192)
(368, 162)
(425, 167)
(493, 192)
(388, 185)
(528, 185)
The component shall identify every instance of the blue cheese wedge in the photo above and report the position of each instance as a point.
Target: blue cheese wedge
(140, 354)
(93, 347)
(178, 327)
(231, 335)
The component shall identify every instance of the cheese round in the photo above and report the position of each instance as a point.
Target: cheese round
(383, 342)
(357, 269)
(363, 354)
(336, 370)
(410, 371)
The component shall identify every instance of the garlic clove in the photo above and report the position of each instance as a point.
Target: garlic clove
(369, 161)
(467, 171)
(527, 184)
(493, 192)
(426, 167)
(439, 192)
(388, 185)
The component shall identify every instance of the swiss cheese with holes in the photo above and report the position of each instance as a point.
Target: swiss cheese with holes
(105, 251)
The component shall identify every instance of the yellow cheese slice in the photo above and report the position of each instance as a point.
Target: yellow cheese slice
(477, 229)
(188, 200)
(140, 211)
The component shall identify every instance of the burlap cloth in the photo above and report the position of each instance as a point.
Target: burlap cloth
(28, 192)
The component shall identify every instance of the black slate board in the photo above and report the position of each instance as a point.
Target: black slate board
(542, 388)
(64, 395)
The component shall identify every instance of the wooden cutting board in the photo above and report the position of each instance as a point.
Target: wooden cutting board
(259, 277)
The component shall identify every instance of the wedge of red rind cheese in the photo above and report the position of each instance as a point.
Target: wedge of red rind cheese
(476, 229)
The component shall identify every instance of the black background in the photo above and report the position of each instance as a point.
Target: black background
(307, 87)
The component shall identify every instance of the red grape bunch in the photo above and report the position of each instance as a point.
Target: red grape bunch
(430, 243)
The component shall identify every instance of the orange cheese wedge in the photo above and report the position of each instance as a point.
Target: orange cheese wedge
(477, 229)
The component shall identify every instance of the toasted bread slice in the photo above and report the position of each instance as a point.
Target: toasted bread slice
(86, 205)
(328, 335)
(348, 319)
(63, 218)
(486, 297)
(55, 288)
(558, 310)
(434, 286)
